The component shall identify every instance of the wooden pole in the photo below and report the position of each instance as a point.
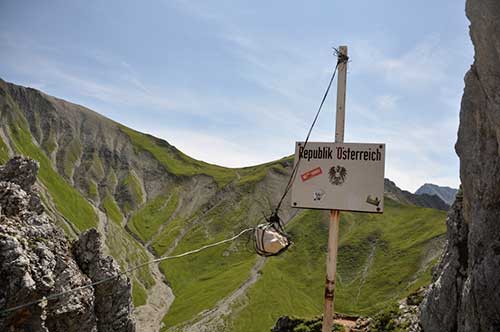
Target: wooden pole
(333, 233)
(341, 91)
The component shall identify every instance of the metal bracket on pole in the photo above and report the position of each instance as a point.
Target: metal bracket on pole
(333, 233)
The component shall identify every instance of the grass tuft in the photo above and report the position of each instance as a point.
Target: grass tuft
(112, 210)
(139, 295)
(147, 220)
(4, 152)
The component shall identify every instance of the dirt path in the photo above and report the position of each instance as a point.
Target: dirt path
(347, 323)
(213, 319)
(368, 264)
(160, 298)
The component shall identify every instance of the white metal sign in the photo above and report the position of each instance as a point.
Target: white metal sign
(339, 176)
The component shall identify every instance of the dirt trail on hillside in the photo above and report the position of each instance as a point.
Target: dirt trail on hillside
(346, 323)
(213, 319)
(160, 298)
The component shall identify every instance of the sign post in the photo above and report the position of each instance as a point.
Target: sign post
(338, 177)
(333, 233)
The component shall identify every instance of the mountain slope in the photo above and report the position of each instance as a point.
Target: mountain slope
(149, 200)
(381, 259)
(115, 171)
(447, 194)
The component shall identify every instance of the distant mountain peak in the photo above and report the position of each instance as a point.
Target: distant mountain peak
(405, 197)
(447, 194)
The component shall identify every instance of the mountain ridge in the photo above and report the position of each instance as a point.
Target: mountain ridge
(406, 197)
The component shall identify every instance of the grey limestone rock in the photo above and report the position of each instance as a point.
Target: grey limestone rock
(465, 295)
(113, 299)
(36, 261)
(21, 171)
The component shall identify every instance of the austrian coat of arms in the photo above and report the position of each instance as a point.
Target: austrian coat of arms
(337, 175)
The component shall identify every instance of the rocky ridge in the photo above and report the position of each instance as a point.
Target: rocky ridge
(36, 261)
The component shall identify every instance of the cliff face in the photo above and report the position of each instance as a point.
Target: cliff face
(466, 293)
(36, 261)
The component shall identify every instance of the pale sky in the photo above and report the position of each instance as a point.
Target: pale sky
(236, 83)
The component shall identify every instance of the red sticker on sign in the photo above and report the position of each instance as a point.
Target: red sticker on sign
(312, 173)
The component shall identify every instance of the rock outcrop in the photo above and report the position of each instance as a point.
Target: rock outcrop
(293, 324)
(403, 317)
(36, 261)
(465, 295)
(112, 299)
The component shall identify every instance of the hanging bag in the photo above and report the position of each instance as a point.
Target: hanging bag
(270, 238)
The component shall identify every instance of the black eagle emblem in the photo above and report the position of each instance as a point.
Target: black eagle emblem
(337, 175)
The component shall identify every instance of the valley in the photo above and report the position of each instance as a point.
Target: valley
(150, 200)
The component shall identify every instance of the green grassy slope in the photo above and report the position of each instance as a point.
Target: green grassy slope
(133, 186)
(4, 152)
(149, 218)
(379, 257)
(201, 280)
(399, 241)
(111, 209)
(175, 161)
(129, 253)
(382, 258)
(379, 263)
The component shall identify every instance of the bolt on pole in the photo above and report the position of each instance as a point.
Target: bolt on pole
(333, 233)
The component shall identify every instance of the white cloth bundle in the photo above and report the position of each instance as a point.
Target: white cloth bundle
(269, 241)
